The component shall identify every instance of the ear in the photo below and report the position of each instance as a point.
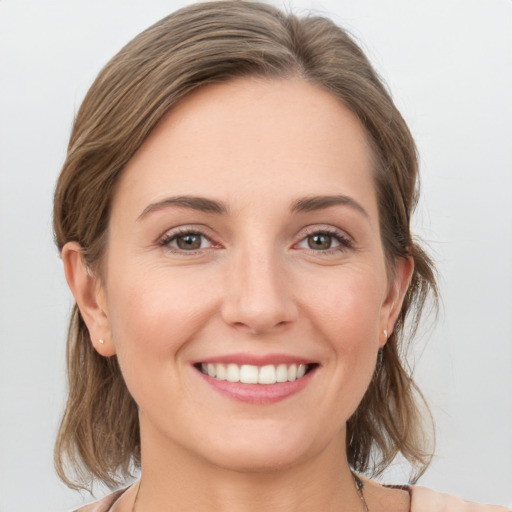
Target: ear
(398, 286)
(89, 294)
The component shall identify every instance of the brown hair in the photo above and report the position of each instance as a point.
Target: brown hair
(210, 43)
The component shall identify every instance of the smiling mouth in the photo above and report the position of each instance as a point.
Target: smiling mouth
(251, 374)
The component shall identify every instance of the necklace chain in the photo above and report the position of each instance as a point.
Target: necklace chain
(359, 486)
(358, 482)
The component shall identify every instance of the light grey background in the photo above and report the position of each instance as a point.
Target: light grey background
(448, 64)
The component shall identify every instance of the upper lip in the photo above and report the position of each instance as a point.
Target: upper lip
(256, 360)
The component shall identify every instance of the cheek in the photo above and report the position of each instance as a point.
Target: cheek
(345, 313)
(152, 318)
(153, 309)
(346, 306)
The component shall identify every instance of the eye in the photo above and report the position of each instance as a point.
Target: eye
(320, 241)
(325, 241)
(187, 241)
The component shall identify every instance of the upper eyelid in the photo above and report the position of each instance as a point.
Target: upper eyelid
(323, 228)
(345, 240)
(165, 242)
(191, 228)
(172, 236)
(208, 233)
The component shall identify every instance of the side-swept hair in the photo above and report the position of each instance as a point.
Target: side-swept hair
(206, 43)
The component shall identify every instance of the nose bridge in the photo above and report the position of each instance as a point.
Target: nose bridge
(258, 296)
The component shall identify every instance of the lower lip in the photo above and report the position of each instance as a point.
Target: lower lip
(258, 393)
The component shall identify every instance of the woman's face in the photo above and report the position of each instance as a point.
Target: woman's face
(244, 243)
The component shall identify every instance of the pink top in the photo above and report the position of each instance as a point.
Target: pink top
(422, 500)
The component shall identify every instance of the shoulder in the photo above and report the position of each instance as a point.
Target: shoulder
(420, 499)
(427, 500)
(103, 505)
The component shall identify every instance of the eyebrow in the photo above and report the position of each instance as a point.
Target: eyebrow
(201, 204)
(308, 204)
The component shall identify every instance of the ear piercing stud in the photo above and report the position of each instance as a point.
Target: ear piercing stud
(386, 334)
(101, 342)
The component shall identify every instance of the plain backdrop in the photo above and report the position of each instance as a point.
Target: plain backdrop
(448, 65)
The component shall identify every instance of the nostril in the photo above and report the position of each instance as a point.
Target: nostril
(258, 304)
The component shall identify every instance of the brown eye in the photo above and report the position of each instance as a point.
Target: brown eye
(186, 241)
(320, 241)
(189, 241)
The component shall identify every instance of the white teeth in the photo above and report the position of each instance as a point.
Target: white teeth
(282, 373)
(233, 373)
(222, 373)
(267, 375)
(251, 374)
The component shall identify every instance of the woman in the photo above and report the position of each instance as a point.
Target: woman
(233, 217)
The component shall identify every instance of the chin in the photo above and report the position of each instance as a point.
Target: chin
(262, 460)
(264, 449)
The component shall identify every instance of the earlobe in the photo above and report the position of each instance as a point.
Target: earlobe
(88, 292)
(403, 271)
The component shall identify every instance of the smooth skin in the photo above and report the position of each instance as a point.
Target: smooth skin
(253, 273)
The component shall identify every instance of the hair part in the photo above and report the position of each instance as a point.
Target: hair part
(207, 43)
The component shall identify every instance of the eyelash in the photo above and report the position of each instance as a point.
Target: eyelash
(345, 243)
(168, 238)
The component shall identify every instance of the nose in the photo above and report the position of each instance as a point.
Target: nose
(258, 296)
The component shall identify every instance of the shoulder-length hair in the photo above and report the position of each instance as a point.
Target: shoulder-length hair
(215, 42)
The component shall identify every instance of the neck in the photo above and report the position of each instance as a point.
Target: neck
(174, 479)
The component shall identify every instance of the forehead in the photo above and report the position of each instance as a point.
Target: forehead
(252, 138)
